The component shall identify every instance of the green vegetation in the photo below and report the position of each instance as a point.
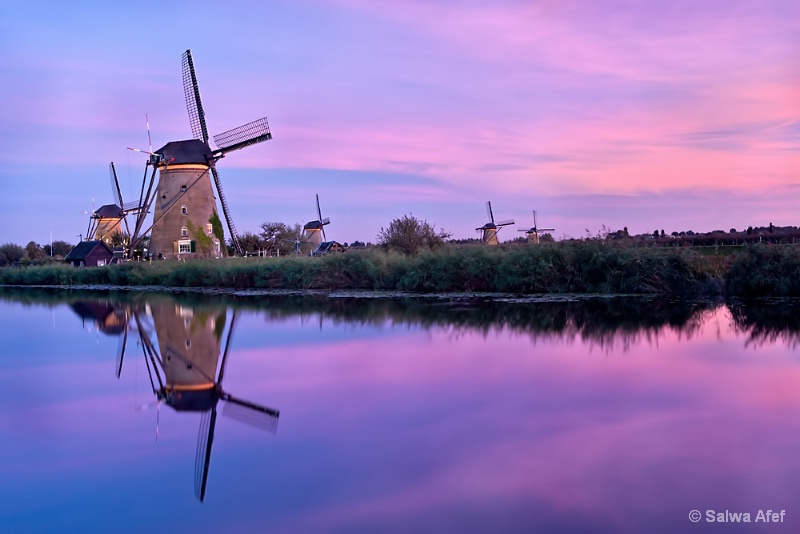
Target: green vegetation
(558, 268)
(567, 267)
(216, 226)
(409, 235)
(202, 239)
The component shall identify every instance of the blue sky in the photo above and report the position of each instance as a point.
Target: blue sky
(678, 116)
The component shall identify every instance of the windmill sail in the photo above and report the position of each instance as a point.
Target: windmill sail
(197, 118)
(245, 135)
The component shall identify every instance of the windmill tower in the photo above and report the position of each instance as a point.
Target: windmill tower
(490, 229)
(314, 232)
(533, 233)
(186, 223)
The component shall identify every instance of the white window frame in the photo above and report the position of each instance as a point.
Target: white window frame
(185, 246)
(184, 232)
(184, 211)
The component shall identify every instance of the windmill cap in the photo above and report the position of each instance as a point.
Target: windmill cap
(191, 151)
(110, 211)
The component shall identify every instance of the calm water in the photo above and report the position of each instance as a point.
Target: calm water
(395, 415)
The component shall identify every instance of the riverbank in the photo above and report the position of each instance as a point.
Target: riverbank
(579, 267)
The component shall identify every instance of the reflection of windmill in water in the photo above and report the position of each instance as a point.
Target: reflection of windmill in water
(185, 221)
(314, 232)
(490, 229)
(186, 372)
(107, 318)
(533, 233)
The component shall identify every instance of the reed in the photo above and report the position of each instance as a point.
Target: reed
(566, 267)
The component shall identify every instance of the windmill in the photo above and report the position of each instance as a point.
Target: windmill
(533, 233)
(314, 232)
(490, 229)
(107, 221)
(185, 220)
(186, 372)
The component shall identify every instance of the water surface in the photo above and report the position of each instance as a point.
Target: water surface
(395, 414)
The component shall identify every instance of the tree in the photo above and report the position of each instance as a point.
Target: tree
(409, 235)
(11, 253)
(253, 243)
(60, 248)
(280, 237)
(34, 251)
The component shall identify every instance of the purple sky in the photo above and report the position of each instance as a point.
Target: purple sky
(638, 114)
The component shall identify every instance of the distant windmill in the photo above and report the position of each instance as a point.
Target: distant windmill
(104, 222)
(533, 233)
(185, 207)
(107, 220)
(314, 232)
(491, 228)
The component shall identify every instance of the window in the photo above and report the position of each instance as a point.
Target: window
(209, 229)
(216, 246)
(184, 232)
(184, 246)
(183, 210)
(183, 189)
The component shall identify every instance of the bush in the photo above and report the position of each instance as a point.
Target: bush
(409, 235)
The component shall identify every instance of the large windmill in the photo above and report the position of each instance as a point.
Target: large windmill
(185, 221)
(314, 232)
(533, 233)
(186, 371)
(490, 229)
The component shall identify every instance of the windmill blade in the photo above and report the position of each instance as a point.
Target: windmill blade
(489, 210)
(224, 362)
(133, 205)
(246, 412)
(197, 117)
(535, 225)
(116, 193)
(506, 222)
(121, 345)
(231, 228)
(319, 211)
(145, 200)
(325, 221)
(149, 141)
(202, 460)
(242, 136)
(547, 229)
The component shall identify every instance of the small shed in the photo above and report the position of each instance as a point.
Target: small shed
(90, 254)
(328, 247)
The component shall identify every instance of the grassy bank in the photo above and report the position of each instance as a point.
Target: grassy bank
(557, 268)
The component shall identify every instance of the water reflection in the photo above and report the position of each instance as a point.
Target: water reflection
(608, 322)
(450, 414)
(181, 346)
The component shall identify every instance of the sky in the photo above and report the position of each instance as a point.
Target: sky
(681, 115)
